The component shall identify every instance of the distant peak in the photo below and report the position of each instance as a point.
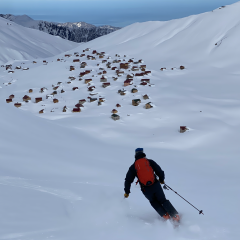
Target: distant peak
(76, 25)
(24, 16)
(16, 18)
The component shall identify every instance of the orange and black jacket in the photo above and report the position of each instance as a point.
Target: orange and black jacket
(132, 173)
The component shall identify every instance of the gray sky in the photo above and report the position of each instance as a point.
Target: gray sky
(112, 12)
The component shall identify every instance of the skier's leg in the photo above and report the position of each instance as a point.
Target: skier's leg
(159, 193)
(169, 208)
(149, 193)
(166, 204)
(158, 207)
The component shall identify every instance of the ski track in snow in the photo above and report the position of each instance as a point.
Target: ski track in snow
(46, 234)
(23, 183)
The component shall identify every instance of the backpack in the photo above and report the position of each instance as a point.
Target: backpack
(144, 171)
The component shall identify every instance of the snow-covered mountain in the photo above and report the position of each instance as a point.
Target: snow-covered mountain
(76, 32)
(23, 20)
(62, 172)
(77, 25)
(20, 43)
(203, 38)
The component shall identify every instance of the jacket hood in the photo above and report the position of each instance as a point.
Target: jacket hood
(139, 155)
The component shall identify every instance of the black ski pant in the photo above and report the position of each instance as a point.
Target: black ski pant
(156, 197)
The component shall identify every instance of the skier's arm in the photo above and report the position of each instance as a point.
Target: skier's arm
(157, 169)
(131, 174)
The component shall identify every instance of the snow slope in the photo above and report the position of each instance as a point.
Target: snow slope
(20, 43)
(62, 174)
(182, 41)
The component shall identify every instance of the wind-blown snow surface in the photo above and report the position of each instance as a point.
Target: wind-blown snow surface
(62, 174)
(21, 43)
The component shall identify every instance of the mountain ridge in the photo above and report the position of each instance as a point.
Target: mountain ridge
(208, 36)
(21, 43)
(76, 32)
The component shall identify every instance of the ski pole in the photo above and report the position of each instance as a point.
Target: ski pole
(167, 188)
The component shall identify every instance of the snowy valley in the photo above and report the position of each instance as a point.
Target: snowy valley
(62, 172)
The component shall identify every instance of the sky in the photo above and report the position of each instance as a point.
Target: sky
(117, 13)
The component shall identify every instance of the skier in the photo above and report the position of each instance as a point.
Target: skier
(144, 170)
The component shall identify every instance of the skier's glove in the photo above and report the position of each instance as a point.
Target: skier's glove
(162, 182)
(126, 195)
